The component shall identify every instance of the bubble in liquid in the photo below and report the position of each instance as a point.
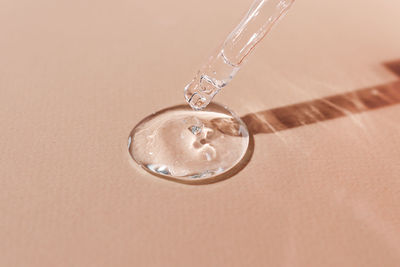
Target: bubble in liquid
(189, 145)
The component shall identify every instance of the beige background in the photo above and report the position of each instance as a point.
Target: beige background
(320, 190)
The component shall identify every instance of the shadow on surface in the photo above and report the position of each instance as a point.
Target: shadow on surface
(305, 113)
(327, 108)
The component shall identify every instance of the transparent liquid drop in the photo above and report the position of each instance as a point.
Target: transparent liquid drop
(189, 145)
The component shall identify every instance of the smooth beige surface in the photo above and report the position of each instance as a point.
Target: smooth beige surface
(76, 76)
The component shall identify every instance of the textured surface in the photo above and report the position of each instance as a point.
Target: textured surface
(321, 189)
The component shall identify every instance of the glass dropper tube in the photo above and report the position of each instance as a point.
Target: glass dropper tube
(221, 67)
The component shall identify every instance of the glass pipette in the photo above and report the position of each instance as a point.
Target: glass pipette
(226, 62)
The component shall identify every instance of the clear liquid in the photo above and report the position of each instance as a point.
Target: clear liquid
(186, 144)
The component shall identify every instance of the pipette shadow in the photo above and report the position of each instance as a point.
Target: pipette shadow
(327, 108)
